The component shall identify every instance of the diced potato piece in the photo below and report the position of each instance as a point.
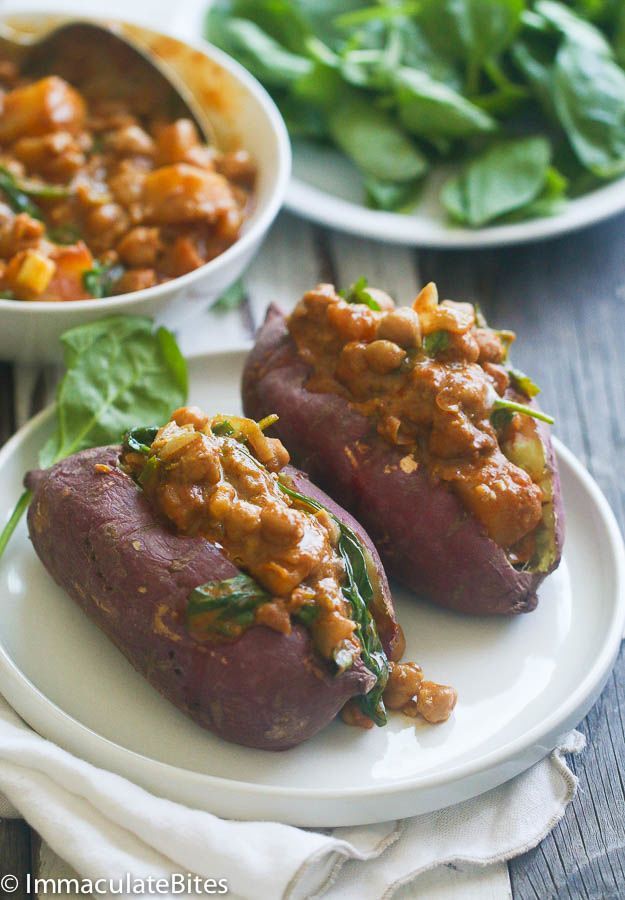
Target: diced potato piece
(33, 274)
(183, 193)
(174, 141)
(50, 104)
(71, 264)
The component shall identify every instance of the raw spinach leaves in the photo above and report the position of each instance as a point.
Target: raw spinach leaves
(118, 370)
(507, 178)
(398, 86)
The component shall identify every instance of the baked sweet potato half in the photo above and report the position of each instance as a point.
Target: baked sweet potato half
(414, 420)
(236, 587)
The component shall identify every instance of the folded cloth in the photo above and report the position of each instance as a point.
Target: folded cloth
(106, 827)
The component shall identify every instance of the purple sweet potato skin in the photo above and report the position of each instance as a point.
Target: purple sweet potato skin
(425, 538)
(98, 537)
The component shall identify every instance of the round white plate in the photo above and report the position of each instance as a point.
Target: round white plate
(327, 188)
(522, 682)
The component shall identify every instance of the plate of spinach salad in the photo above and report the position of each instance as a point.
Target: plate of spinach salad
(443, 122)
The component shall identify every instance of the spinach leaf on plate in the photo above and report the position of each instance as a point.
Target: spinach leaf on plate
(506, 177)
(471, 30)
(374, 142)
(431, 109)
(118, 370)
(265, 58)
(589, 98)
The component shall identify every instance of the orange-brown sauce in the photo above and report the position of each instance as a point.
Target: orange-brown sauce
(125, 188)
(210, 484)
(426, 376)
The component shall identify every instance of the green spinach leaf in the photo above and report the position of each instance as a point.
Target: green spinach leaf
(589, 98)
(506, 177)
(471, 30)
(370, 137)
(117, 370)
(431, 109)
(101, 279)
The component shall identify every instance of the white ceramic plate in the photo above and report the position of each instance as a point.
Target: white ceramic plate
(327, 188)
(522, 682)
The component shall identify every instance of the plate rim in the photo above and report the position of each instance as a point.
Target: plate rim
(512, 749)
(324, 208)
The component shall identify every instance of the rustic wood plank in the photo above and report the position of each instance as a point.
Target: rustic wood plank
(566, 300)
(15, 858)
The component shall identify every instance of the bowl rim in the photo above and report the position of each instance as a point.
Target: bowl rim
(265, 212)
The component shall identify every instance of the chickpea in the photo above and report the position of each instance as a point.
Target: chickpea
(140, 247)
(384, 357)
(403, 684)
(402, 326)
(436, 701)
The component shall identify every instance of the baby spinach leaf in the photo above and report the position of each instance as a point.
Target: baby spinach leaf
(550, 201)
(389, 195)
(370, 137)
(589, 98)
(430, 108)
(268, 60)
(506, 177)
(571, 26)
(231, 602)
(117, 369)
(471, 30)
(358, 591)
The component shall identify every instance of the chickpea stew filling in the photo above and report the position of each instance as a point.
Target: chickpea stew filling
(436, 383)
(98, 198)
(220, 478)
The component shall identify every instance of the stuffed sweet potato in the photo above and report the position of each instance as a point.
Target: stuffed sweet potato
(234, 585)
(414, 421)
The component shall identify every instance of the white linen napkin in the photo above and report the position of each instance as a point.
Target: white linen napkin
(106, 827)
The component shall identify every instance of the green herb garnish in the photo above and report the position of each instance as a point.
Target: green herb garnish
(358, 293)
(140, 439)
(64, 234)
(18, 199)
(223, 429)
(117, 370)
(523, 383)
(101, 279)
(504, 409)
(359, 592)
(231, 298)
(435, 342)
(232, 601)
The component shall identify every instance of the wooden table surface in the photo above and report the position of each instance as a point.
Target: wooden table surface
(566, 300)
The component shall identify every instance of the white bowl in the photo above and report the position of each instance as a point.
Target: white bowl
(244, 115)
